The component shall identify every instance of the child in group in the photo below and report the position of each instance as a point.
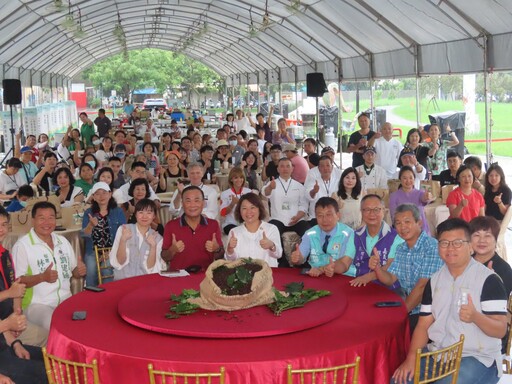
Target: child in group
(20, 201)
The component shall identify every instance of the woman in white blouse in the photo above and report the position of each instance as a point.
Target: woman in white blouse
(349, 198)
(230, 197)
(253, 238)
(137, 248)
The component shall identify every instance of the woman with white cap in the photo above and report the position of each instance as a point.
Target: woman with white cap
(99, 226)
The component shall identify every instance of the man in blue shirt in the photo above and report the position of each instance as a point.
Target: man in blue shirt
(415, 260)
(329, 245)
(128, 108)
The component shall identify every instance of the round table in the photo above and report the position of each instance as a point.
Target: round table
(378, 335)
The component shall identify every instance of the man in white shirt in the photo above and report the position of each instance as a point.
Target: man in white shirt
(137, 171)
(288, 204)
(388, 150)
(323, 185)
(315, 173)
(45, 262)
(371, 174)
(195, 173)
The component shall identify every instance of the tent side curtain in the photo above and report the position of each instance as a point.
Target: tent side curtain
(500, 51)
(455, 57)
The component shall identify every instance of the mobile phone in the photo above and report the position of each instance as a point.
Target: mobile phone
(170, 272)
(94, 289)
(383, 304)
(305, 271)
(79, 315)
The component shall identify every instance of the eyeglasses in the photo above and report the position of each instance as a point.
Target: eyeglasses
(454, 243)
(370, 210)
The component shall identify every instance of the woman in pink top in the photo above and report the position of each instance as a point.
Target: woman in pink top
(465, 202)
(300, 164)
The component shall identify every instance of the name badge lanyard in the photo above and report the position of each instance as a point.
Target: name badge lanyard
(326, 184)
(285, 189)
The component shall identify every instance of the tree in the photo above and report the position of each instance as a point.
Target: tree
(152, 68)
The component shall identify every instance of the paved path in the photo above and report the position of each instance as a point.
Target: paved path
(397, 120)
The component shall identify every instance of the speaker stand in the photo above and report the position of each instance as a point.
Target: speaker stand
(317, 127)
(11, 150)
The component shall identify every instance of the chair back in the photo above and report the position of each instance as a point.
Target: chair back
(172, 184)
(60, 371)
(160, 377)
(332, 375)
(103, 266)
(439, 364)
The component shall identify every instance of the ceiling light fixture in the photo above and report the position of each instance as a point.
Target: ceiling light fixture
(79, 32)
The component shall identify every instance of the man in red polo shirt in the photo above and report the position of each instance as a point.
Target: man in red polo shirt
(192, 239)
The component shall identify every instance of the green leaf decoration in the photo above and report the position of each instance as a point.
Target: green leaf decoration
(231, 280)
(243, 275)
(294, 287)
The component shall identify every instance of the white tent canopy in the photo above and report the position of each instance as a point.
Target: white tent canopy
(273, 40)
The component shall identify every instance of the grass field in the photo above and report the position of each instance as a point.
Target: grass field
(501, 114)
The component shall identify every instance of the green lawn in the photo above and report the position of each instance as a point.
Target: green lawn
(501, 114)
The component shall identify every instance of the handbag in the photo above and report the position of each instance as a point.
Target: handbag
(51, 199)
(382, 192)
(73, 216)
(21, 221)
(432, 186)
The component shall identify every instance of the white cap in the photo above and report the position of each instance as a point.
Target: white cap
(97, 186)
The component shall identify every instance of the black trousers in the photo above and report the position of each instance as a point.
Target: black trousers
(23, 371)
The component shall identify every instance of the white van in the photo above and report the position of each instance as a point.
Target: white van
(150, 104)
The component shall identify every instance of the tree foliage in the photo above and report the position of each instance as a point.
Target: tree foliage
(152, 68)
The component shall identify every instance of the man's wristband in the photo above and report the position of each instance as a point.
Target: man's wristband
(16, 342)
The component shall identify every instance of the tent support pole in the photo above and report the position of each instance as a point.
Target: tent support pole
(417, 70)
(488, 122)
(372, 95)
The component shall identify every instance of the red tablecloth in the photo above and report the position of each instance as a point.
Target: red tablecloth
(378, 335)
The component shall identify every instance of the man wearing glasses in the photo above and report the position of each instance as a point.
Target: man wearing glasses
(374, 238)
(463, 297)
(416, 259)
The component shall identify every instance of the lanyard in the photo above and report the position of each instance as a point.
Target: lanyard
(237, 195)
(29, 179)
(13, 179)
(285, 189)
(326, 184)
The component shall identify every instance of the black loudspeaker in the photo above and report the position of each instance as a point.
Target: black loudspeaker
(12, 91)
(315, 84)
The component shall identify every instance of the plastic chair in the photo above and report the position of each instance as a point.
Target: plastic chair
(103, 264)
(60, 371)
(196, 378)
(333, 373)
(439, 364)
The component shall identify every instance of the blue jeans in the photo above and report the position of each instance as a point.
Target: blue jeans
(471, 372)
(91, 279)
